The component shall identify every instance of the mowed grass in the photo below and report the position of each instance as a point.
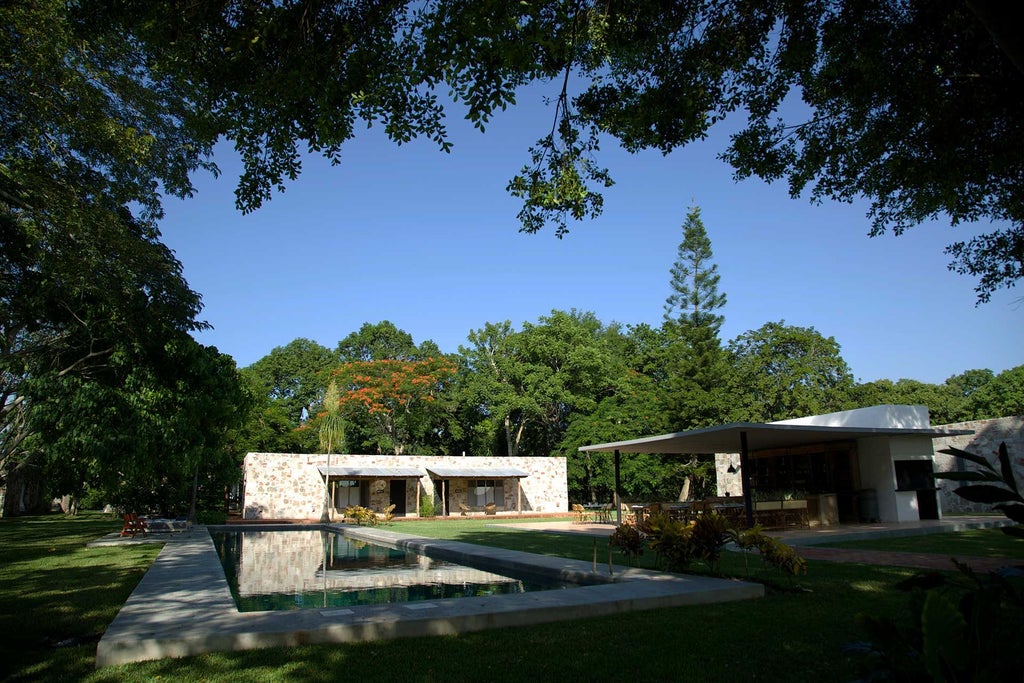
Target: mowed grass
(58, 596)
(974, 543)
(54, 588)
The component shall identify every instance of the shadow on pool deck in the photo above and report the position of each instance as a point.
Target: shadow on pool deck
(183, 605)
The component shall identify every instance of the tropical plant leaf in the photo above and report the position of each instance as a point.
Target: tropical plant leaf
(976, 459)
(972, 475)
(944, 630)
(983, 493)
(1014, 511)
(1007, 468)
(1015, 531)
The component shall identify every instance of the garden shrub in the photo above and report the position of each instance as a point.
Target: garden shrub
(629, 540)
(773, 552)
(361, 516)
(710, 534)
(677, 544)
(427, 508)
(670, 540)
(211, 517)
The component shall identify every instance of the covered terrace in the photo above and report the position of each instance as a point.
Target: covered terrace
(484, 484)
(866, 444)
(351, 485)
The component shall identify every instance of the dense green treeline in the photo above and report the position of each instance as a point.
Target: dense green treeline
(570, 379)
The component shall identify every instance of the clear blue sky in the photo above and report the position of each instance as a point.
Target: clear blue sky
(430, 242)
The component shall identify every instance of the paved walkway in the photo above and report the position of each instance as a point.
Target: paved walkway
(899, 559)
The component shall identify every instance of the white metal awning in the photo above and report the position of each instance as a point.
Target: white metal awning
(372, 472)
(457, 472)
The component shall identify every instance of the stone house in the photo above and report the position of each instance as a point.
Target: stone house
(302, 486)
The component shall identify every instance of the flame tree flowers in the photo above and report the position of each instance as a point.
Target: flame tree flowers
(402, 401)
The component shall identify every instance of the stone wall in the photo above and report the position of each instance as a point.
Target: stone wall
(988, 434)
(289, 485)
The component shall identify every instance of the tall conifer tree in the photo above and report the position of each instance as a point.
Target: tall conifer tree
(696, 366)
(695, 297)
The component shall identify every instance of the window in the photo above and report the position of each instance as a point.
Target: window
(346, 493)
(480, 492)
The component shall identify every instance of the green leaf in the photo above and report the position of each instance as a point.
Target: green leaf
(968, 476)
(944, 634)
(976, 459)
(1014, 511)
(1007, 468)
(985, 494)
(1015, 531)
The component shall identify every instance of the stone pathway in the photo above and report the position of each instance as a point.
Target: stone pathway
(902, 559)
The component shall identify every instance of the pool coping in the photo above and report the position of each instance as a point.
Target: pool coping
(183, 607)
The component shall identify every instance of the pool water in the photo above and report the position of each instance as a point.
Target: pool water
(318, 569)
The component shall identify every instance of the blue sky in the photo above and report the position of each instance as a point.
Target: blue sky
(430, 242)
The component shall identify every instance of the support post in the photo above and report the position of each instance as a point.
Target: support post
(748, 498)
(618, 482)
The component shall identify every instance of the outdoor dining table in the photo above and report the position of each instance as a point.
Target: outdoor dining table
(673, 510)
(601, 514)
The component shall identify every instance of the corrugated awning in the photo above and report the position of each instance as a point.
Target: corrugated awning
(372, 472)
(457, 472)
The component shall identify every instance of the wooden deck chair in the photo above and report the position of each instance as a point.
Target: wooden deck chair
(579, 514)
(628, 516)
(133, 525)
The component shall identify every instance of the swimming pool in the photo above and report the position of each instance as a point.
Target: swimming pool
(320, 568)
(183, 606)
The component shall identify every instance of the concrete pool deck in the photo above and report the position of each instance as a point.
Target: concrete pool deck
(182, 606)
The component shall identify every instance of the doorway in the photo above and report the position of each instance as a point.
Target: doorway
(398, 496)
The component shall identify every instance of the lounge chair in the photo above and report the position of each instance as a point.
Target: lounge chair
(133, 525)
(164, 525)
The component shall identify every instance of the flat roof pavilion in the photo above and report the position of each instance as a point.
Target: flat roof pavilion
(748, 437)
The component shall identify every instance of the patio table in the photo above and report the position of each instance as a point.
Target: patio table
(602, 514)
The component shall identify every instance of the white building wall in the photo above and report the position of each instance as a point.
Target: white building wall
(877, 473)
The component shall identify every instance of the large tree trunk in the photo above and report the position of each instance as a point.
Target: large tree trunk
(684, 494)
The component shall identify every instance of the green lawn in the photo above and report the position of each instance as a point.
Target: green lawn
(975, 543)
(53, 588)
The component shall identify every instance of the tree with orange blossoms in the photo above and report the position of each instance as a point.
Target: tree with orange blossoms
(402, 400)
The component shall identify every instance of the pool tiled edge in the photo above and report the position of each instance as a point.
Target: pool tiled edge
(183, 606)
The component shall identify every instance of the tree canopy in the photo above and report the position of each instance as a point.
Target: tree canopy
(108, 106)
(916, 106)
(102, 384)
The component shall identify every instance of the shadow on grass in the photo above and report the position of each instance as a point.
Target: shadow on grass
(779, 637)
(784, 636)
(56, 591)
